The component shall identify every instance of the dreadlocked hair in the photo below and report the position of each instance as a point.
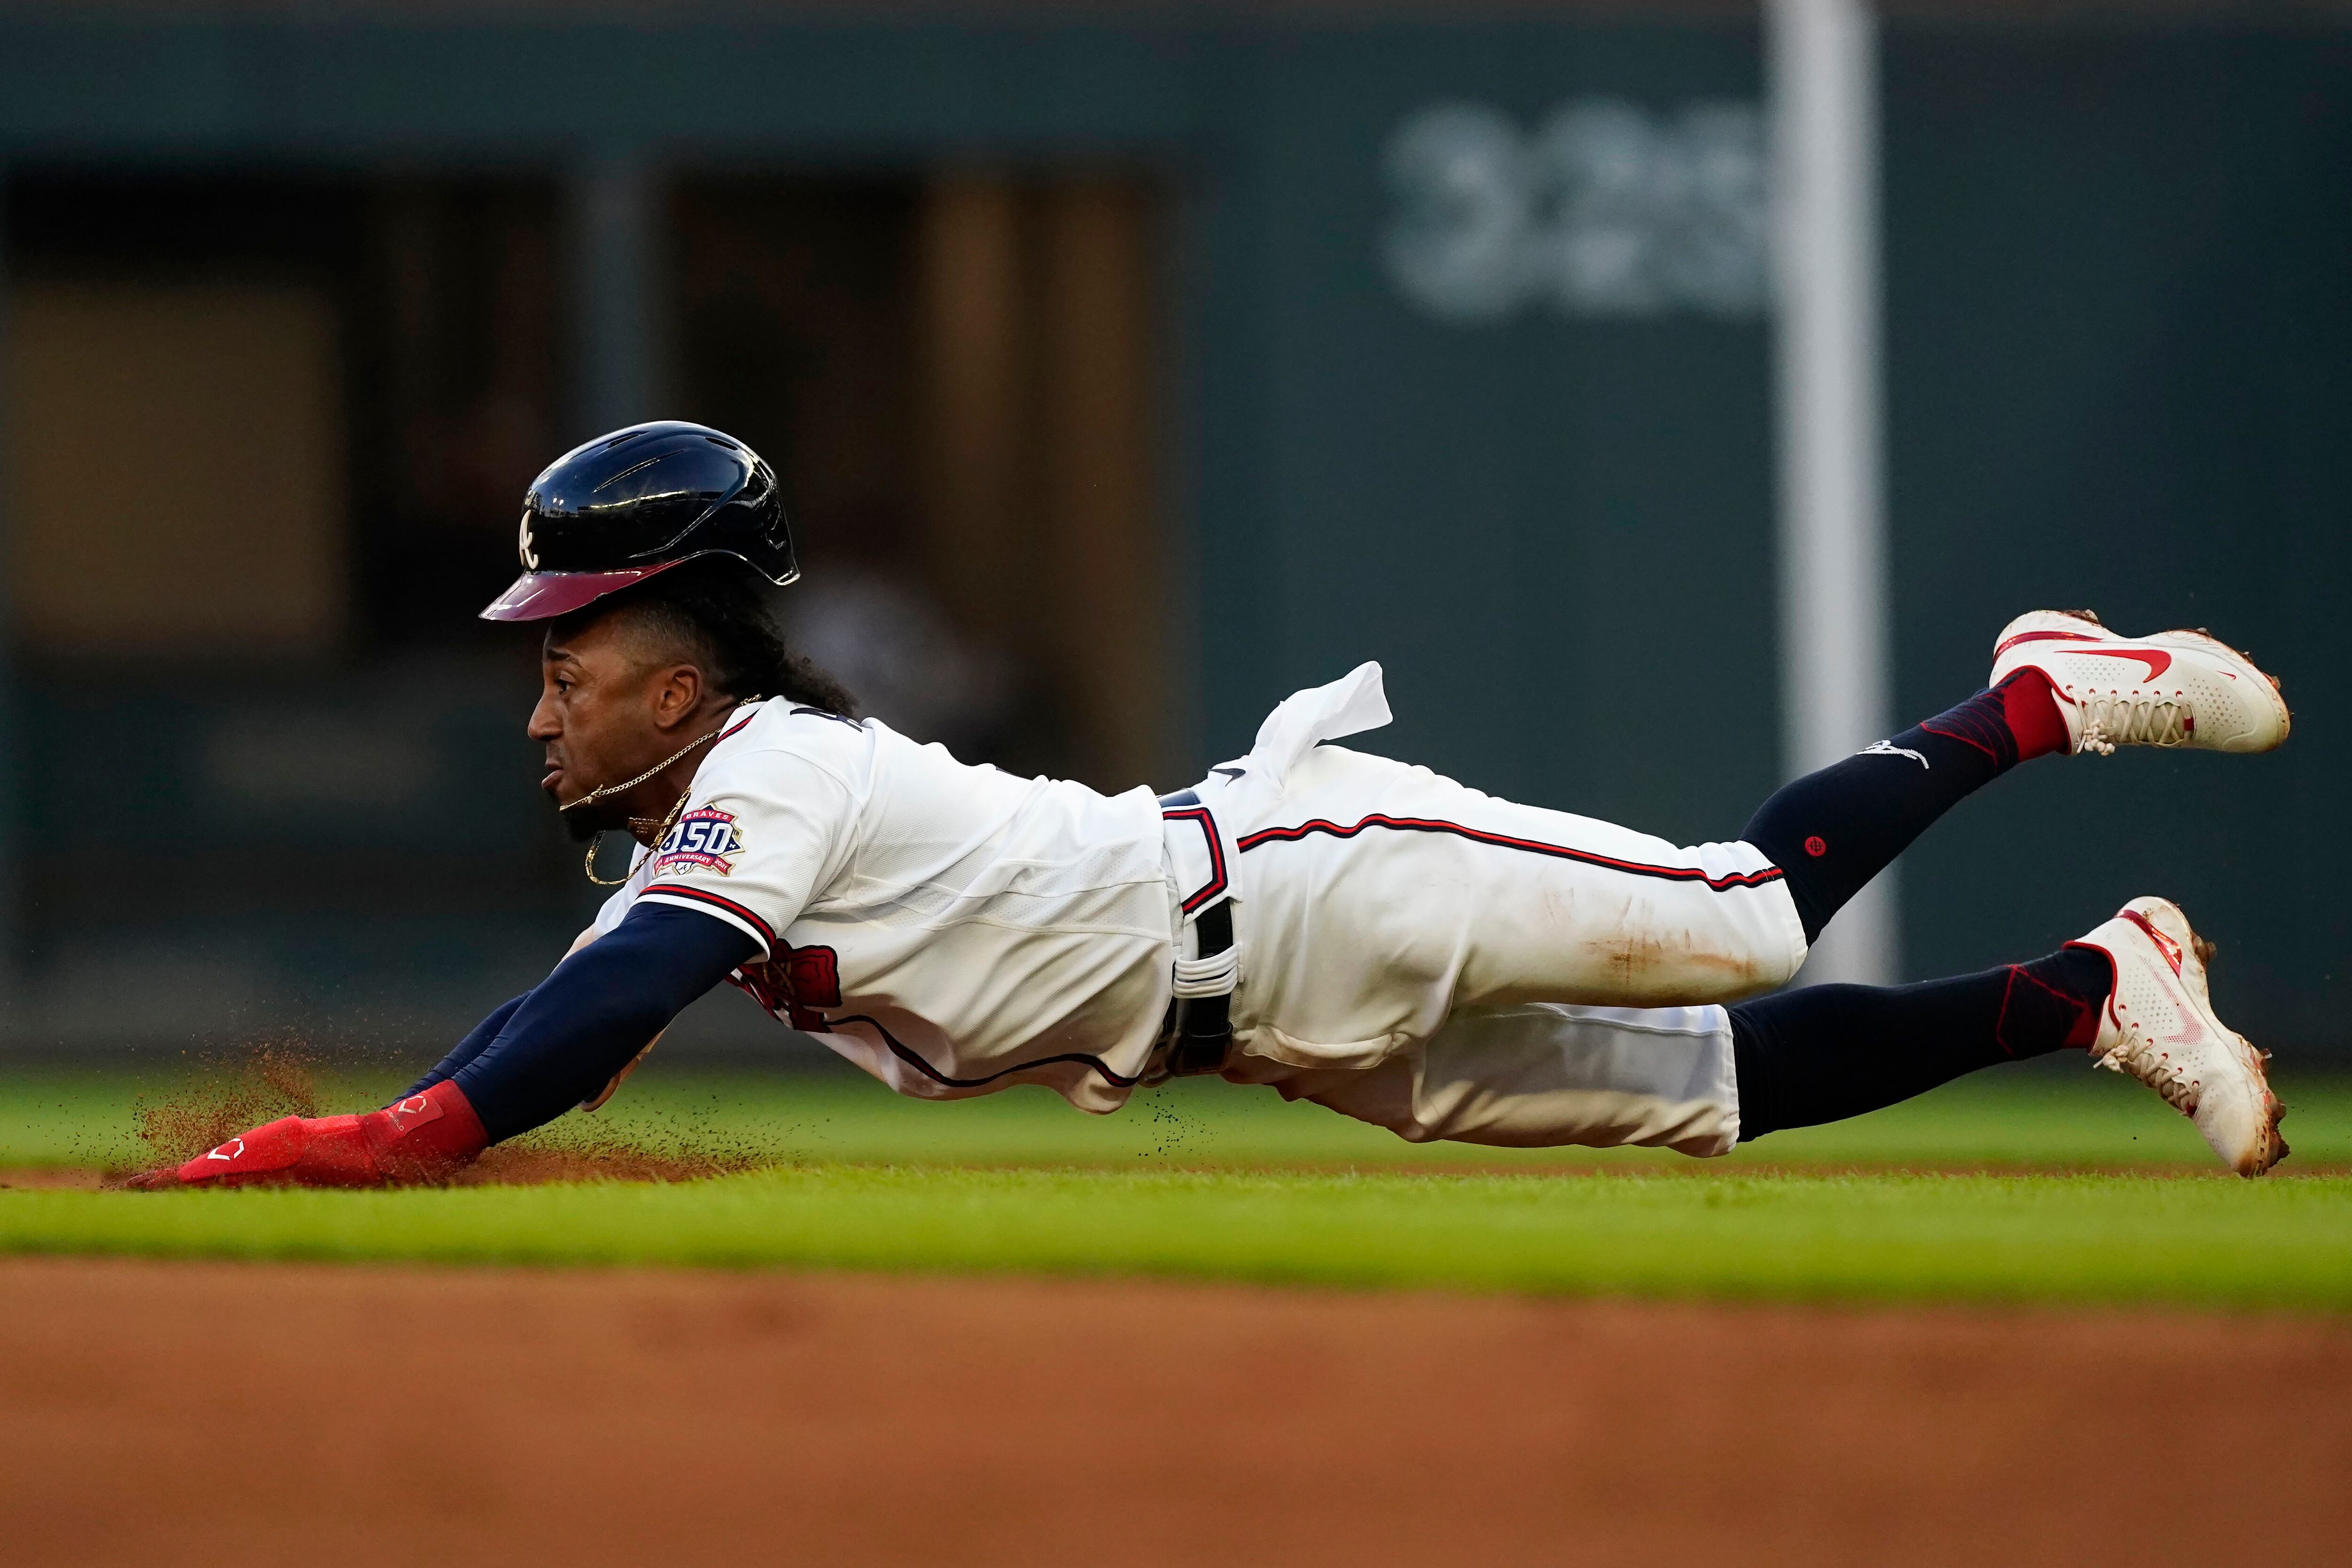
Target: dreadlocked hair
(717, 606)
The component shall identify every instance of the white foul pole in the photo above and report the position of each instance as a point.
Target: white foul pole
(1836, 655)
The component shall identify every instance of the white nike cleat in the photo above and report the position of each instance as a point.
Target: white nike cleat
(2175, 688)
(2158, 1026)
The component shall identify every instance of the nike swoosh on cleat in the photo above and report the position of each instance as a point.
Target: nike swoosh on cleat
(2155, 659)
(2166, 948)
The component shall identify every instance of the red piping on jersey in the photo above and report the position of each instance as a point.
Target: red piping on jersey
(1607, 862)
(696, 895)
(1216, 883)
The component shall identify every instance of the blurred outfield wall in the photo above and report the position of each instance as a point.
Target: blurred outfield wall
(1467, 369)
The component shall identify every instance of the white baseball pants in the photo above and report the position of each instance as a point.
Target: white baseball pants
(1428, 958)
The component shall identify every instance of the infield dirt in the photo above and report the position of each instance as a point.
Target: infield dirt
(260, 1414)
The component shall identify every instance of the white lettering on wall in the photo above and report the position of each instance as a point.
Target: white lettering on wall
(1606, 210)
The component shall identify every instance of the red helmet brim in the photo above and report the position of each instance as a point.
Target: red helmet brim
(542, 595)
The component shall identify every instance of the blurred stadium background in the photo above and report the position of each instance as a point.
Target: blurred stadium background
(1131, 366)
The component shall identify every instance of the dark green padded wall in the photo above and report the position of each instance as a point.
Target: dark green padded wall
(1554, 531)
(2120, 301)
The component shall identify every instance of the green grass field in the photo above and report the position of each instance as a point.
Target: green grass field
(2025, 1186)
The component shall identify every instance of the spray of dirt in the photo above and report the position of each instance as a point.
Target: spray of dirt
(274, 1078)
(235, 1093)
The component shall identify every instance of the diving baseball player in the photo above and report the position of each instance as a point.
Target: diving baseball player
(1338, 926)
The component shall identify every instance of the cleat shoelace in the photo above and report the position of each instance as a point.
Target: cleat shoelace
(2137, 1058)
(2112, 719)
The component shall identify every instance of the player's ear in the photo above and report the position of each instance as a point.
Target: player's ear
(677, 695)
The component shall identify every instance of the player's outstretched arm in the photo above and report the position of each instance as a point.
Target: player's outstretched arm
(613, 1084)
(555, 1047)
(483, 1032)
(475, 1042)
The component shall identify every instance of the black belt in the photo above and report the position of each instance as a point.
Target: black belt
(1200, 1029)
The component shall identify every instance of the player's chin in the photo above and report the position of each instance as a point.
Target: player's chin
(581, 822)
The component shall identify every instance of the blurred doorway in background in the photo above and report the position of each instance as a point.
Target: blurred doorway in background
(178, 482)
(959, 378)
(331, 387)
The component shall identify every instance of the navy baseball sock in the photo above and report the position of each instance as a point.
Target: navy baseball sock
(1826, 1052)
(1831, 831)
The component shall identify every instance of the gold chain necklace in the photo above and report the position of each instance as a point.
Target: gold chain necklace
(659, 829)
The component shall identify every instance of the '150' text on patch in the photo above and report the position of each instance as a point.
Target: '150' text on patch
(704, 837)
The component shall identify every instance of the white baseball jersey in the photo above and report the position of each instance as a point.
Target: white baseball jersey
(941, 925)
(1410, 952)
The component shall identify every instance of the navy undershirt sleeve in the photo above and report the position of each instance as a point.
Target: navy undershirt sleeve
(477, 1041)
(565, 1040)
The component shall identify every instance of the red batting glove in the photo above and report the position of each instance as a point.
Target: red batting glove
(428, 1137)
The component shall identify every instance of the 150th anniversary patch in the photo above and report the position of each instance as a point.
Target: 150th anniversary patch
(705, 836)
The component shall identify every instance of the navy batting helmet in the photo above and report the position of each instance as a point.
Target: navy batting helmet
(639, 501)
